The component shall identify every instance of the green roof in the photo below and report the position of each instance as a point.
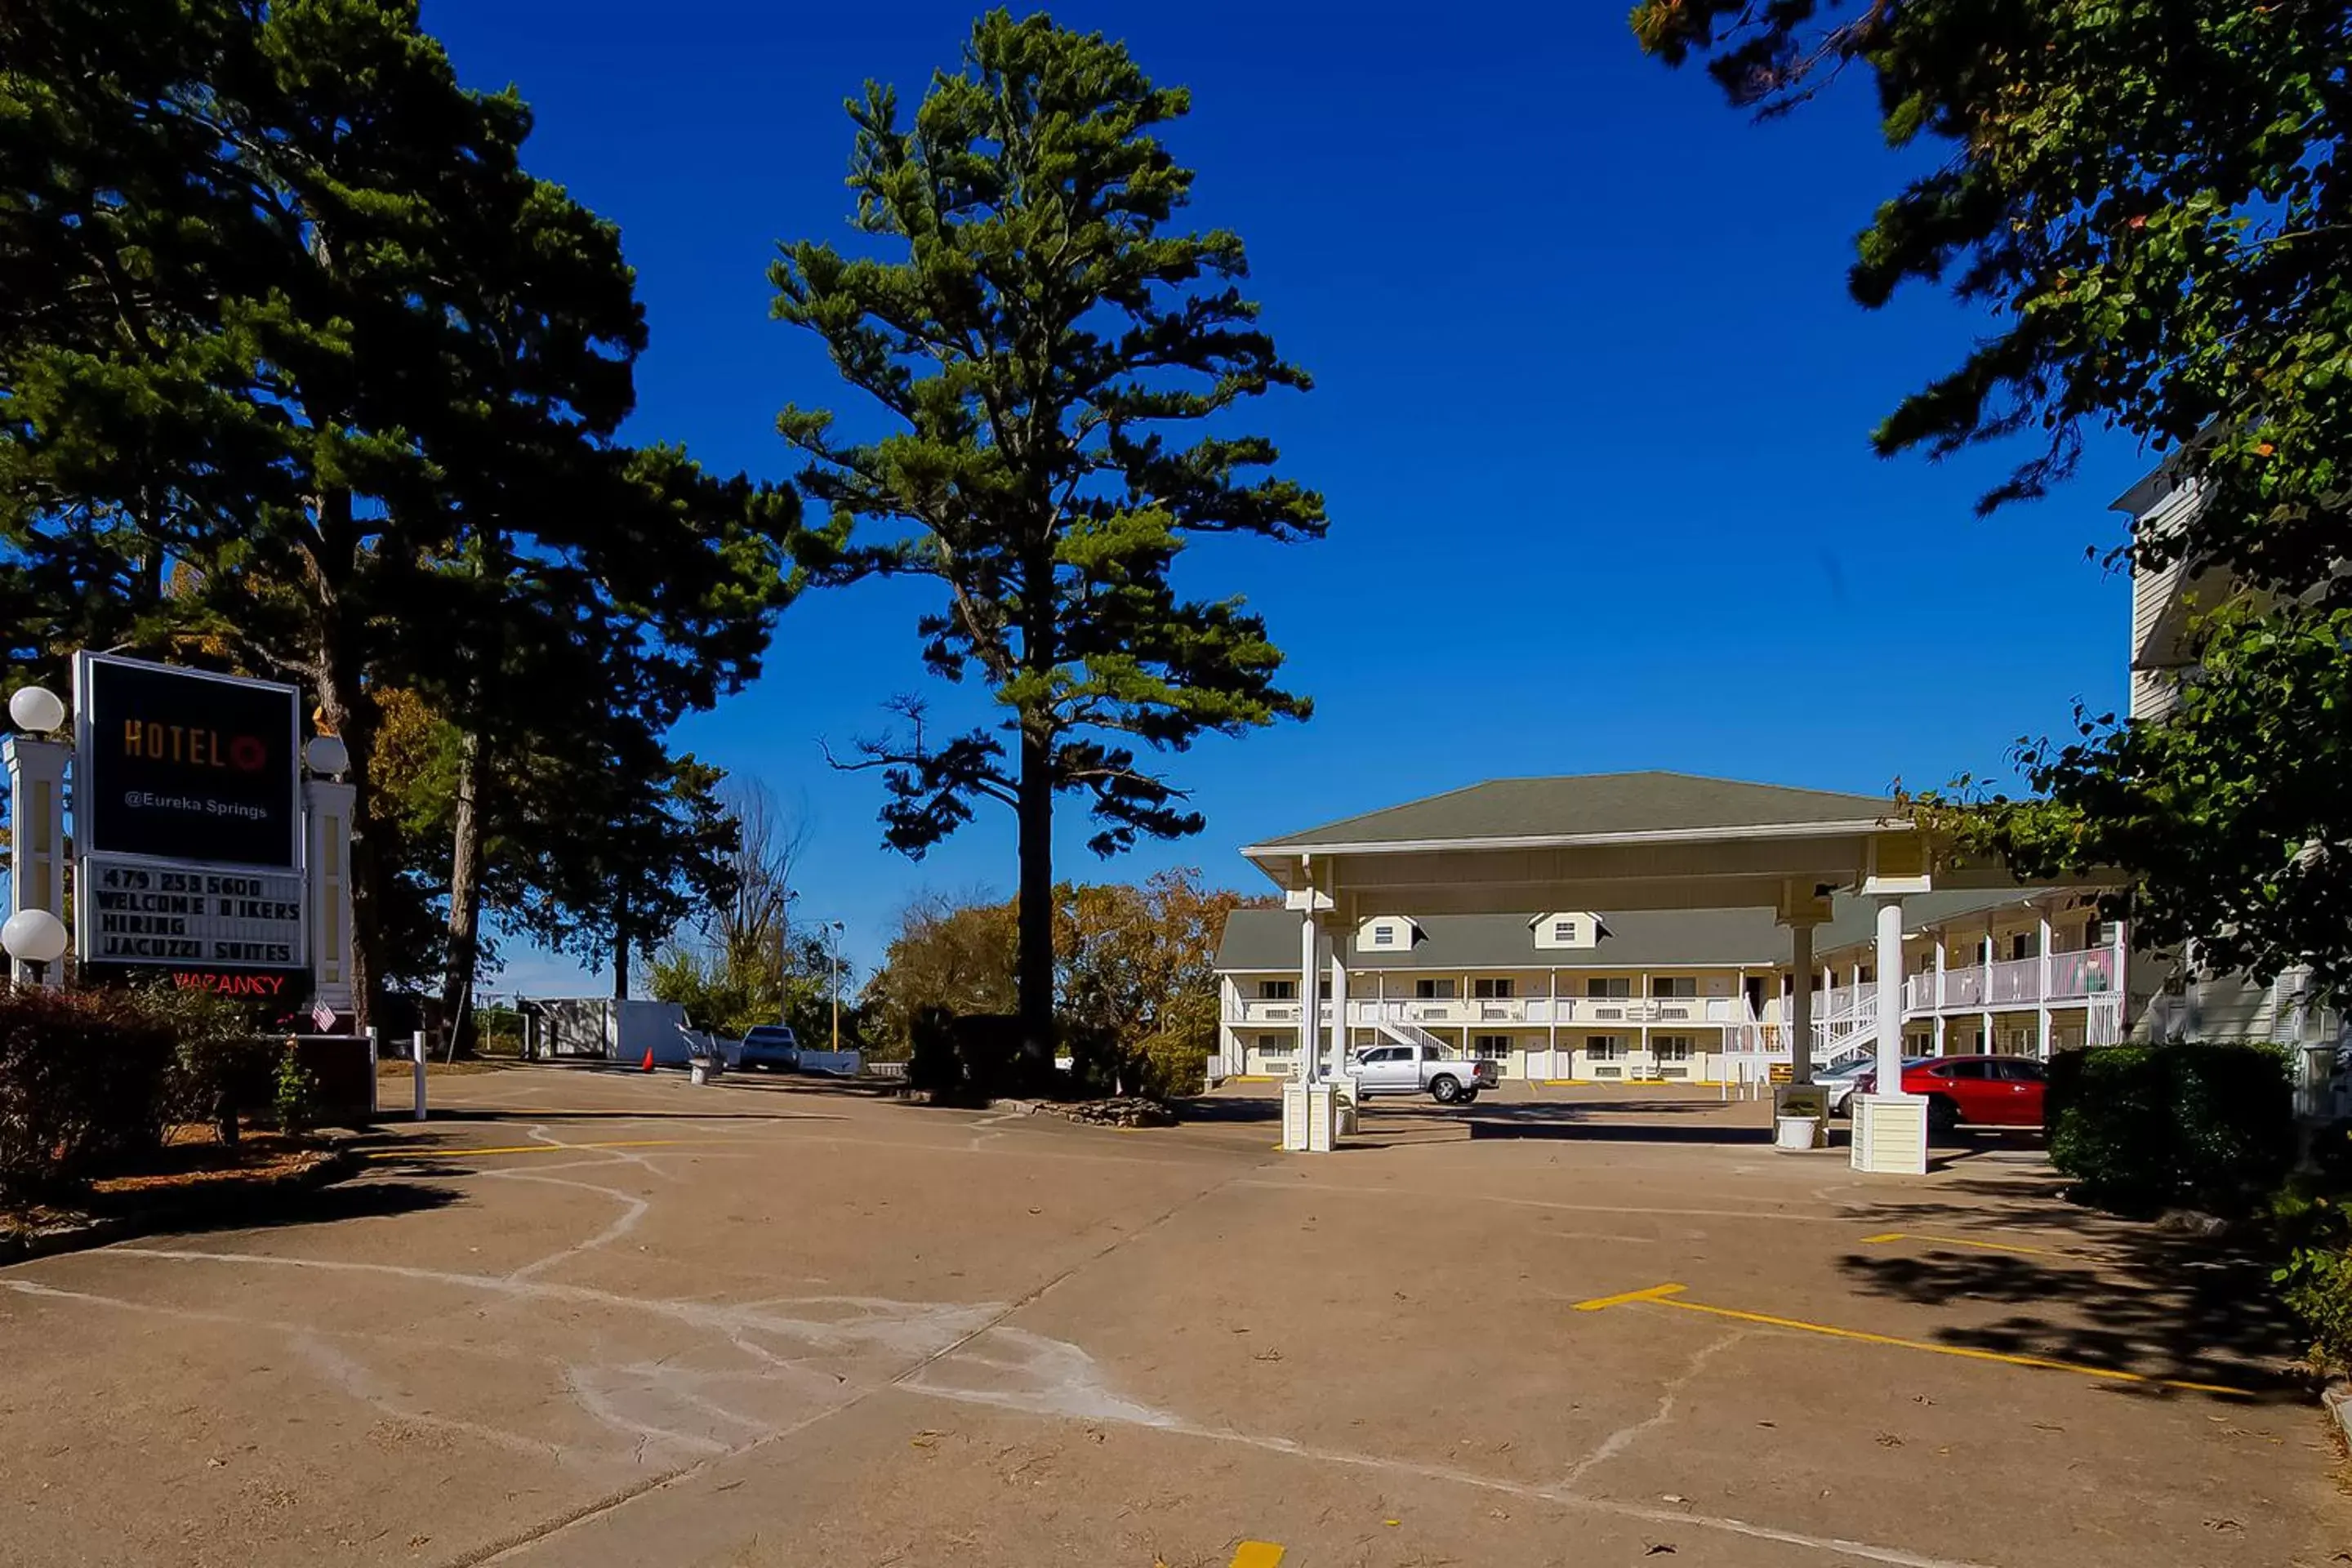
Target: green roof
(1643, 802)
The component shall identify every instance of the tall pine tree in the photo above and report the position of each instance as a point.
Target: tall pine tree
(1048, 346)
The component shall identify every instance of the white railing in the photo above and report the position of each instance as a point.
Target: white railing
(2015, 982)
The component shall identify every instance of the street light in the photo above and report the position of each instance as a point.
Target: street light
(37, 709)
(35, 938)
(834, 929)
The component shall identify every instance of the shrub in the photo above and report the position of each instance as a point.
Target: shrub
(85, 1083)
(2144, 1127)
(2316, 1284)
(296, 1092)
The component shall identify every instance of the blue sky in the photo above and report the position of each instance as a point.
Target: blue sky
(1590, 411)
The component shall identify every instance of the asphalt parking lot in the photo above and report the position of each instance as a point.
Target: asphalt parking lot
(617, 1319)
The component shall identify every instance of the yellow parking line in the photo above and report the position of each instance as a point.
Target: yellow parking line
(1655, 1293)
(1963, 1241)
(1666, 1296)
(414, 1151)
(1257, 1554)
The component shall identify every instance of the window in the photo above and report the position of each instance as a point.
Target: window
(1867, 974)
(1278, 990)
(1497, 990)
(1683, 987)
(2022, 946)
(1671, 1048)
(1972, 1071)
(1323, 989)
(1380, 1054)
(1433, 990)
(1599, 986)
(1490, 1047)
(1601, 1047)
(1564, 932)
(2018, 1069)
(1274, 1045)
(2095, 934)
(1384, 936)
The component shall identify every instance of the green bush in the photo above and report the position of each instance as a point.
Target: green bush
(2316, 1284)
(296, 1092)
(2142, 1127)
(85, 1084)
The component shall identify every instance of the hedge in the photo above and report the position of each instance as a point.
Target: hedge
(86, 1081)
(2142, 1127)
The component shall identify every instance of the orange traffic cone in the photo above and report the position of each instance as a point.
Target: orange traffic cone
(646, 1065)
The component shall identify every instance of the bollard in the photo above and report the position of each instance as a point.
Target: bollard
(417, 1054)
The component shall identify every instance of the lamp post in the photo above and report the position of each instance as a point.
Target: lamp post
(34, 934)
(833, 939)
(35, 939)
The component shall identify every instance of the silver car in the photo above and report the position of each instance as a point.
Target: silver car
(770, 1046)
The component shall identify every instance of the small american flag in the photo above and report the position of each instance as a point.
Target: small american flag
(323, 1017)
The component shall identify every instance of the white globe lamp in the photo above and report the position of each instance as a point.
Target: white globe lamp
(33, 936)
(327, 755)
(36, 707)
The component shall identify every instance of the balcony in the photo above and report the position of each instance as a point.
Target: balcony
(1365, 1012)
(2059, 979)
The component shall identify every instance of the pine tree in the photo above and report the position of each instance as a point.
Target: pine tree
(1041, 342)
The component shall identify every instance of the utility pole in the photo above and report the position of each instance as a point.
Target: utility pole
(834, 930)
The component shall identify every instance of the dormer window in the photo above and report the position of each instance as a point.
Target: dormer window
(1387, 934)
(1579, 929)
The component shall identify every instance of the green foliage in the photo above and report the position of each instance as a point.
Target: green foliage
(303, 372)
(1041, 339)
(294, 1092)
(2316, 1284)
(2145, 196)
(956, 959)
(2141, 1127)
(84, 1085)
(1134, 978)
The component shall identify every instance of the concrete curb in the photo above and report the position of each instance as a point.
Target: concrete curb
(2337, 1399)
(336, 1163)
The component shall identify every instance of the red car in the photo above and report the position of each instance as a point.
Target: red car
(1985, 1091)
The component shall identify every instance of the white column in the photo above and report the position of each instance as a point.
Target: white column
(1310, 972)
(1339, 1010)
(1801, 1001)
(327, 809)
(1984, 1022)
(2042, 985)
(37, 847)
(1942, 966)
(1890, 994)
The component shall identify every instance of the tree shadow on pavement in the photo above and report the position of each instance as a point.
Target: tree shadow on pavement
(270, 1209)
(2095, 1292)
(1618, 1122)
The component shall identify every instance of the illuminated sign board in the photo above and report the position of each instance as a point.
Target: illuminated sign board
(187, 822)
(184, 765)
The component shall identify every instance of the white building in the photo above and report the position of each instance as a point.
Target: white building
(2165, 603)
(1691, 996)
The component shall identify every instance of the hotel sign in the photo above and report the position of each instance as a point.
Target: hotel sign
(189, 918)
(188, 822)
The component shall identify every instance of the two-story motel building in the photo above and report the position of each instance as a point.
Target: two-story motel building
(1698, 996)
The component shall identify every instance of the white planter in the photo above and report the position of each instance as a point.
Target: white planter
(1795, 1133)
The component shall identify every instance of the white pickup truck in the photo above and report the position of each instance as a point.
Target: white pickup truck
(1420, 1069)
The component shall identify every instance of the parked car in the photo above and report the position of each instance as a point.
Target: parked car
(773, 1046)
(1983, 1092)
(1840, 1081)
(1420, 1069)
